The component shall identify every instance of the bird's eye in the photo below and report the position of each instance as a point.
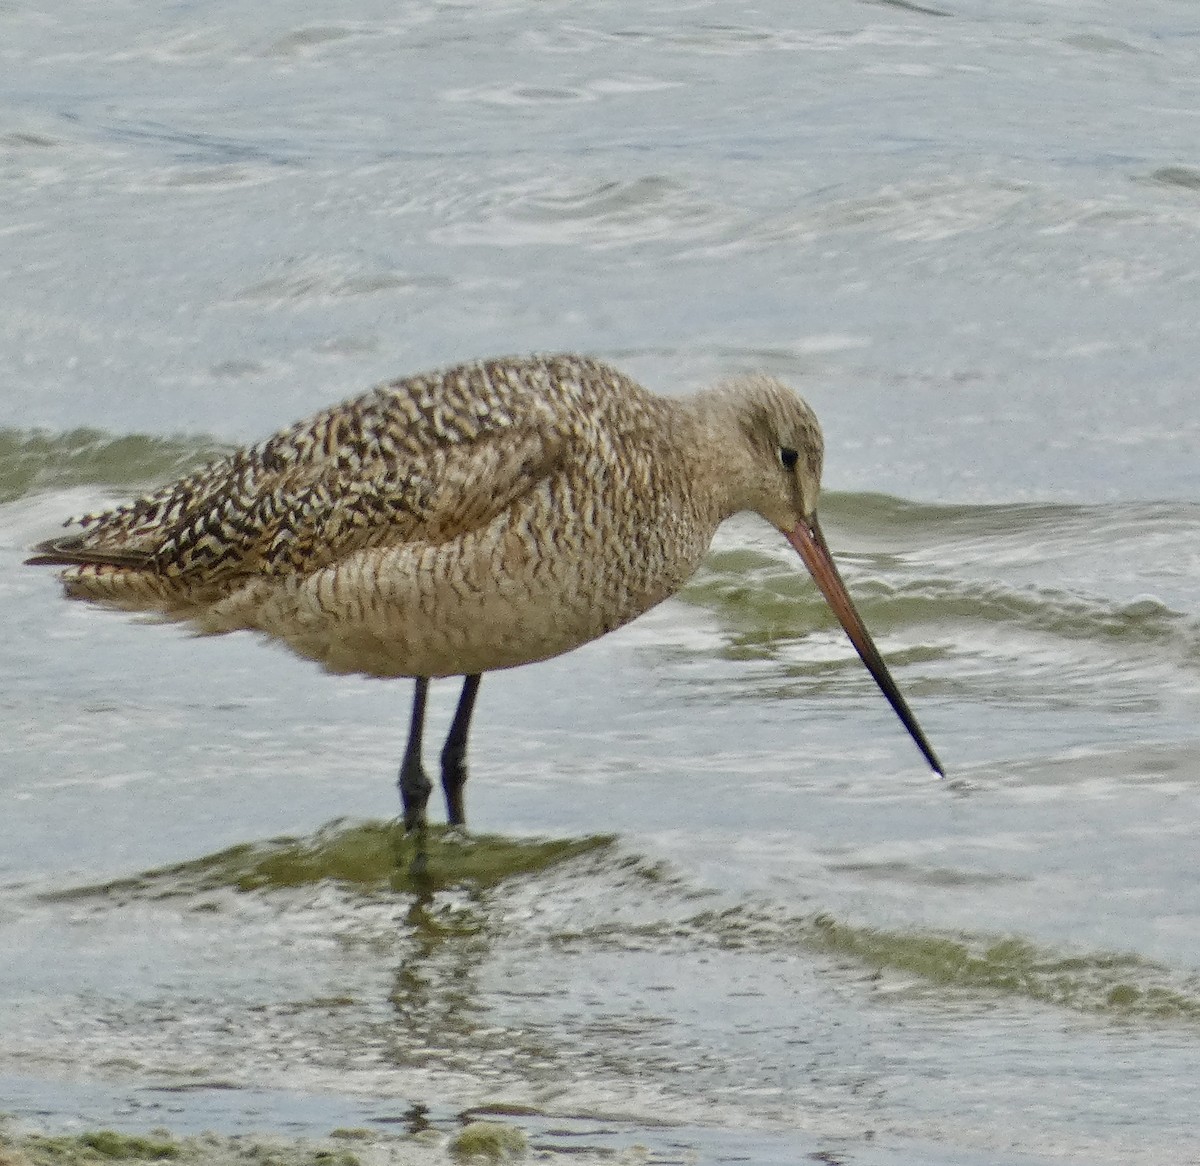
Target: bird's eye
(788, 457)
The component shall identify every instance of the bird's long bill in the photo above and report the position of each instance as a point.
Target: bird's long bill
(810, 543)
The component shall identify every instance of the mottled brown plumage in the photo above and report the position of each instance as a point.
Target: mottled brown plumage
(490, 515)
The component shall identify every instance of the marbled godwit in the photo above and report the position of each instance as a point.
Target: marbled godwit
(450, 524)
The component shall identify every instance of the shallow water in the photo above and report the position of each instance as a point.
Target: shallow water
(760, 930)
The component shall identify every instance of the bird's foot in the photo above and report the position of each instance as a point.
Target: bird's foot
(418, 869)
(410, 848)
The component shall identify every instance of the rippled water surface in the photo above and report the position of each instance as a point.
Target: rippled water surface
(715, 905)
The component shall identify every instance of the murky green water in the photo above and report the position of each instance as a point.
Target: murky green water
(712, 902)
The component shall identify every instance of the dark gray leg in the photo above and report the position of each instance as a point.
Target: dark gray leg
(414, 785)
(454, 755)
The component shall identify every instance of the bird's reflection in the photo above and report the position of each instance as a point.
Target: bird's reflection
(435, 992)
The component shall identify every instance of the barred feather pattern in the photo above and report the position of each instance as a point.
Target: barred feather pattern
(488, 515)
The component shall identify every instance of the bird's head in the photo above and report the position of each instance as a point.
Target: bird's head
(774, 468)
(778, 474)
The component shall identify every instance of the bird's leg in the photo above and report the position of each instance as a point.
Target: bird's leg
(454, 754)
(413, 783)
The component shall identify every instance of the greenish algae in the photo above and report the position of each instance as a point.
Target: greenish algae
(368, 857)
(491, 1141)
(113, 1145)
(108, 1148)
(97, 1146)
(1099, 982)
(1118, 986)
(33, 460)
(476, 1142)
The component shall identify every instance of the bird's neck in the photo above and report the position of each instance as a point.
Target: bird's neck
(718, 450)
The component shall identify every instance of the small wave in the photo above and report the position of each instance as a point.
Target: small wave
(1179, 176)
(1120, 985)
(1123, 986)
(881, 520)
(761, 599)
(363, 857)
(909, 6)
(195, 146)
(312, 39)
(944, 579)
(332, 278)
(599, 212)
(33, 461)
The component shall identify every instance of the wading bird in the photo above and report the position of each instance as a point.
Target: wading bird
(459, 522)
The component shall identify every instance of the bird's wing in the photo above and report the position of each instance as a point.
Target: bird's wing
(452, 490)
(424, 459)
